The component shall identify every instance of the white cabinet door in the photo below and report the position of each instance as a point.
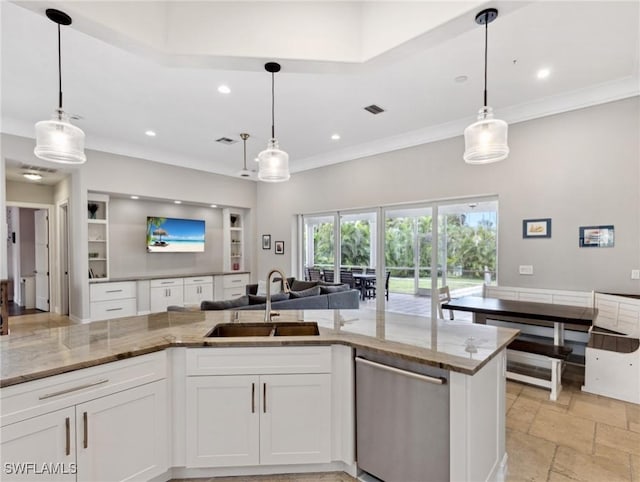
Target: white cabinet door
(123, 436)
(196, 294)
(222, 421)
(295, 419)
(48, 441)
(160, 298)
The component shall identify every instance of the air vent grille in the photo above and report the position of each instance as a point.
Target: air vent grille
(374, 109)
(27, 167)
(226, 140)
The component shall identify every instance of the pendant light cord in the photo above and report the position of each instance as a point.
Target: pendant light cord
(59, 71)
(273, 107)
(486, 48)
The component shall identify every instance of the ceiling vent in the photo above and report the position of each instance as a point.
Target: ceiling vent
(226, 141)
(374, 109)
(27, 167)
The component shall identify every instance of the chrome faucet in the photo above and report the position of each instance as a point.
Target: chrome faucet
(267, 310)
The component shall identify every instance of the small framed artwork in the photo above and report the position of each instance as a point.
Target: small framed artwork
(536, 228)
(279, 247)
(266, 241)
(596, 236)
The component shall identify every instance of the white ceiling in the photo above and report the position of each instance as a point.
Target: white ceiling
(126, 76)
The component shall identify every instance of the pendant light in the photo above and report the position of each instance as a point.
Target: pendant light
(244, 172)
(486, 140)
(57, 140)
(273, 163)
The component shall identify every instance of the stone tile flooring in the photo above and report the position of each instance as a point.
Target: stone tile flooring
(580, 437)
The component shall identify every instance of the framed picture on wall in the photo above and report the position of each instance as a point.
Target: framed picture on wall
(279, 247)
(596, 236)
(536, 228)
(266, 241)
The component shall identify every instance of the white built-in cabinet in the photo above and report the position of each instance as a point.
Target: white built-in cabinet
(166, 292)
(198, 289)
(112, 300)
(262, 406)
(106, 423)
(98, 235)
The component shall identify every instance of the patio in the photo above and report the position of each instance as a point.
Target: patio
(415, 305)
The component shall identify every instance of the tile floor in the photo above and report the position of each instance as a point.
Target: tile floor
(580, 437)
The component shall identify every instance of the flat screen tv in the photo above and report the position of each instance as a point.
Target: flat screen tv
(171, 235)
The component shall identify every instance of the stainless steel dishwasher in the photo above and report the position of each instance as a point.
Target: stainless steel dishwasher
(402, 419)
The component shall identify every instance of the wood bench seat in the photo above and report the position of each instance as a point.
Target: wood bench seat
(555, 355)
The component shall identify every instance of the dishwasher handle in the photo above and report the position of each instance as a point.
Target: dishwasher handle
(417, 376)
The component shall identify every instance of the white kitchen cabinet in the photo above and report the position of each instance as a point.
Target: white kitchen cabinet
(112, 300)
(230, 286)
(243, 408)
(198, 289)
(46, 441)
(166, 292)
(129, 427)
(104, 423)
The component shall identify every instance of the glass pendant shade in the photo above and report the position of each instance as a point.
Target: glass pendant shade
(58, 140)
(273, 164)
(486, 140)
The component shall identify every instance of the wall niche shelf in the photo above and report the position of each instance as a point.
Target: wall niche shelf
(233, 246)
(98, 236)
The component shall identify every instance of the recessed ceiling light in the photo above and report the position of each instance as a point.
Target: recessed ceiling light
(32, 176)
(214, 205)
(177, 202)
(135, 197)
(335, 137)
(461, 78)
(224, 89)
(543, 73)
(256, 159)
(150, 133)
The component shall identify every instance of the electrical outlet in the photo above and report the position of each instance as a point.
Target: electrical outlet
(635, 274)
(526, 269)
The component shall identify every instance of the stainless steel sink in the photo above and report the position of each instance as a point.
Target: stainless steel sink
(234, 330)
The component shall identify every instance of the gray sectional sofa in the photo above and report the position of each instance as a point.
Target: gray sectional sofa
(304, 295)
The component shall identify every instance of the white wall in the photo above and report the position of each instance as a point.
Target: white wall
(127, 247)
(578, 168)
(29, 192)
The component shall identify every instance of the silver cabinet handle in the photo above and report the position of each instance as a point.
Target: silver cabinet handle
(113, 291)
(114, 309)
(69, 390)
(264, 397)
(236, 281)
(85, 442)
(417, 376)
(68, 439)
(166, 282)
(253, 398)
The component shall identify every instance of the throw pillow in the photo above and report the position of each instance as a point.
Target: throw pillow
(313, 291)
(276, 287)
(298, 285)
(259, 300)
(333, 289)
(224, 305)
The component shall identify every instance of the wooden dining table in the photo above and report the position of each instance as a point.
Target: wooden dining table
(525, 312)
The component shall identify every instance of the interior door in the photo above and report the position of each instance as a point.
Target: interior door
(64, 260)
(42, 259)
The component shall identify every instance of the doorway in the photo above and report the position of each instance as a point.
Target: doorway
(28, 257)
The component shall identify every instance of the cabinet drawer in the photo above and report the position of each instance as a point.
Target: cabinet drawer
(235, 280)
(112, 291)
(198, 280)
(258, 360)
(104, 310)
(166, 282)
(30, 399)
(233, 293)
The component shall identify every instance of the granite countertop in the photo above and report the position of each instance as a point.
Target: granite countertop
(163, 276)
(31, 353)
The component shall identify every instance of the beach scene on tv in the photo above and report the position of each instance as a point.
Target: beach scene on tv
(170, 235)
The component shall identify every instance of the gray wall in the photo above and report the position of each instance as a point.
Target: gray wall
(578, 168)
(127, 231)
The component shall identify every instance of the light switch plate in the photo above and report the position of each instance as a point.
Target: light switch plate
(526, 269)
(635, 274)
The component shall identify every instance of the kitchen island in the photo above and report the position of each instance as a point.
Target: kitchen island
(198, 406)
